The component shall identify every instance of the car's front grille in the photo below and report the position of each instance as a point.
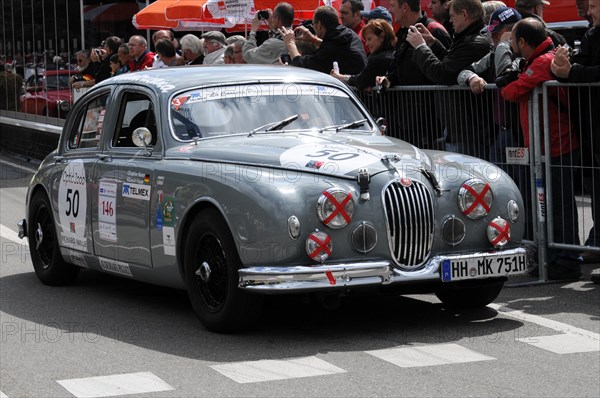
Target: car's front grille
(409, 214)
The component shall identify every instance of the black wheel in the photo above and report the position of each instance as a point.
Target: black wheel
(48, 263)
(211, 272)
(470, 296)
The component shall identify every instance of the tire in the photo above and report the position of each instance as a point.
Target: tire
(48, 263)
(218, 302)
(470, 296)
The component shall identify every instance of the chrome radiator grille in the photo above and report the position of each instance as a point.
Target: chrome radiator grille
(409, 215)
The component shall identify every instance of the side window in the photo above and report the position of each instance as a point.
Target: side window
(87, 129)
(137, 111)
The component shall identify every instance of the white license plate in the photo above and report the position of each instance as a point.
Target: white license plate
(458, 269)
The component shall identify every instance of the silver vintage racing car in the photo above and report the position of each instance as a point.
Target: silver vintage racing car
(236, 182)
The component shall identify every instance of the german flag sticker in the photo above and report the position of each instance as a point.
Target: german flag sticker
(147, 178)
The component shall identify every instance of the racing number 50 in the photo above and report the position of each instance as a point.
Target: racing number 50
(72, 202)
(333, 155)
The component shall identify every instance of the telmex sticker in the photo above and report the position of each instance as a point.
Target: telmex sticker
(136, 191)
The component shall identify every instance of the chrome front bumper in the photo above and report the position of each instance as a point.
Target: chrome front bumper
(279, 280)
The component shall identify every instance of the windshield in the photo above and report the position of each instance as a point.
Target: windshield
(256, 108)
(57, 82)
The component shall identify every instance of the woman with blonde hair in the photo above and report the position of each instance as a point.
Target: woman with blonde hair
(380, 40)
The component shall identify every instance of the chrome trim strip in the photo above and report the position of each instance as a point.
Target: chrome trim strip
(304, 278)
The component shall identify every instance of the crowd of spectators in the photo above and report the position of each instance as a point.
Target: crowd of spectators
(467, 42)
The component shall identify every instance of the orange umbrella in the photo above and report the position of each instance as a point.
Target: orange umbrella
(153, 16)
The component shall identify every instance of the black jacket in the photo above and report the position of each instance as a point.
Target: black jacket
(377, 64)
(586, 63)
(442, 66)
(403, 70)
(340, 44)
(586, 69)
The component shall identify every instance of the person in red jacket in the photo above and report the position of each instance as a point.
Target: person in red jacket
(530, 41)
(141, 57)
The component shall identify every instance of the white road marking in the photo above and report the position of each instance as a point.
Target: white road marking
(11, 235)
(268, 370)
(3, 395)
(563, 343)
(572, 340)
(547, 323)
(582, 286)
(110, 386)
(18, 166)
(429, 355)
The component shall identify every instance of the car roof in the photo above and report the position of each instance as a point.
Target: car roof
(168, 80)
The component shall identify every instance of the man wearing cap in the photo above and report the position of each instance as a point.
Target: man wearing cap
(535, 9)
(270, 51)
(532, 7)
(350, 17)
(378, 12)
(214, 46)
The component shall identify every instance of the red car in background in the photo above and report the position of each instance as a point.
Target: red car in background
(48, 94)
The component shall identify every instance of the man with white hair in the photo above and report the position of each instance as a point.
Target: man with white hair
(214, 46)
(191, 47)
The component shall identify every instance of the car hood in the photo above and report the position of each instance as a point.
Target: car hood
(332, 154)
(56, 95)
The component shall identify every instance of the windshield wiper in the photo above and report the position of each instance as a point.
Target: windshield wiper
(338, 127)
(274, 125)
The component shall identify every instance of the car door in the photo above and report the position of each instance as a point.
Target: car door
(71, 176)
(123, 176)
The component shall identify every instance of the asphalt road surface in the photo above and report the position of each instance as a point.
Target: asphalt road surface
(107, 336)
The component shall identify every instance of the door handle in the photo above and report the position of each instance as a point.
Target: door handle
(103, 156)
(59, 159)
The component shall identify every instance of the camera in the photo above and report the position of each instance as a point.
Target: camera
(263, 14)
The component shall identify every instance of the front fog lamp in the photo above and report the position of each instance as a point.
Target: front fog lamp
(475, 198)
(335, 208)
(453, 230)
(498, 232)
(319, 246)
(513, 211)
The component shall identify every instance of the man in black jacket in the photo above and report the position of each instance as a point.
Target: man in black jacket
(336, 43)
(408, 121)
(468, 121)
(584, 67)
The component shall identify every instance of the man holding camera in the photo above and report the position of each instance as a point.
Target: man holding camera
(336, 43)
(270, 51)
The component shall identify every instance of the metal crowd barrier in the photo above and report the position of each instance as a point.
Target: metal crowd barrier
(572, 181)
(488, 127)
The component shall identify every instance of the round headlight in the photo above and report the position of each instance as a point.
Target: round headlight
(475, 198)
(319, 246)
(335, 208)
(513, 211)
(64, 106)
(453, 230)
(498, 232)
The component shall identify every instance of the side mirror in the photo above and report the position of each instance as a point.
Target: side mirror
(142, 137)
(382, 123)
